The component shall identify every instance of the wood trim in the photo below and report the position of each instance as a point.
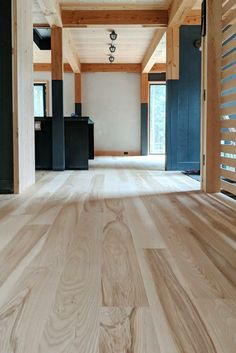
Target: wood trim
(228, 98)
(132, 68)
(228, 187)
(116, 153)
(228, 174)
(231, 149)
(150, 57)
(56, 53)
(77, 77)
(158, 68)
(44, 67)
(228, 123)
(212, 47)
(230, 162)
(172, 47)
(228, 110)
(78, 18)
(193, 18)
(228, 136)
(179, 10)
(144, 88)
(228, 72)
(230, 19)
(41, 25)
(229, 32)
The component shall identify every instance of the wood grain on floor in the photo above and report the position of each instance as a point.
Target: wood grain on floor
(123, 258)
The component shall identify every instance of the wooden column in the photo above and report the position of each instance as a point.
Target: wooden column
(58, 136)
(144, 114)
(78, 103)
(211, 77)
(23, 99)
(172, 54)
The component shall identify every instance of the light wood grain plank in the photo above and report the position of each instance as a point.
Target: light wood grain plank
(186, 325)
(127, 330)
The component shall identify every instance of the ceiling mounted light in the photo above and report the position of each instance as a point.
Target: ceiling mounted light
(112, 48)
(111, 58)
(113, 35)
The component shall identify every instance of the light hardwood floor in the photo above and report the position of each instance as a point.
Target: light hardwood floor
(119, 259)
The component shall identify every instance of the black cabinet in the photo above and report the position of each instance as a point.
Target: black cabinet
(77, 143)
(43, 143)
(91, 139)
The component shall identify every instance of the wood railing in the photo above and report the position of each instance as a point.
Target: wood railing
(228, 98)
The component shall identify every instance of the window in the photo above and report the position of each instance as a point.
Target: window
(40, 100)
(157, 119)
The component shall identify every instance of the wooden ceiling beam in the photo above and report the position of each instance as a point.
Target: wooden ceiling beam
(158, 68)
(52, 12)
(150, 58)
(81, 18)
(70, 51)
(47, 67)
(179, 10)
(131, 68)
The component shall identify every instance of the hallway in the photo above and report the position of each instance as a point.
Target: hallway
(123, 258)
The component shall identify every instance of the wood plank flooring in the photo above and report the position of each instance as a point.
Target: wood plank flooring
(123, 258)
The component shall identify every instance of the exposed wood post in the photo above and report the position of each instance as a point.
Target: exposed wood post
(144, 113)
(58, 143)
(78, 102)
(23, 102)
(212, 44)
(172, 47)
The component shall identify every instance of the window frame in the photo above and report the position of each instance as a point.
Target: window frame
(45, 84)
(154, 83)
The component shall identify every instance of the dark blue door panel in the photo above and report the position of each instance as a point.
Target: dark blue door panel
(184, 107)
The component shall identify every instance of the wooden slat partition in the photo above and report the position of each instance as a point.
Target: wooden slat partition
(228, 98)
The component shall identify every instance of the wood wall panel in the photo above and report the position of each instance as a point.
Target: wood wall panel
(227, 114)
(211, 85)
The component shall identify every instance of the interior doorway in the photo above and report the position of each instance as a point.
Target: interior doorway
(157, 119)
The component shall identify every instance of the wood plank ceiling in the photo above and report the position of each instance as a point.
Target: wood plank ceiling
(92, 42)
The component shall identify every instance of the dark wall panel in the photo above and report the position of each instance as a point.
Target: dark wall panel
(78, 108)
(183, 111)
(6, 116)
(58, 135)
(144, 129)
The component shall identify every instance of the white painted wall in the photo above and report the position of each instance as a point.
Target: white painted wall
(69, 94)
(112, 100)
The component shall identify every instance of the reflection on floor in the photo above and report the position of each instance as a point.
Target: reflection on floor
(123, 258)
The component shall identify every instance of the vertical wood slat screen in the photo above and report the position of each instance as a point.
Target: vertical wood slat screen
(228, 98)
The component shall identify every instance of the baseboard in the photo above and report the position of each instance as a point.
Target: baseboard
(117, 153)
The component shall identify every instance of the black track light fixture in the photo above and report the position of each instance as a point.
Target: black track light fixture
(111, 58)
(113, 35)
(112, 48)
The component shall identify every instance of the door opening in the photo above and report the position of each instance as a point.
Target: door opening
(157, 119)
